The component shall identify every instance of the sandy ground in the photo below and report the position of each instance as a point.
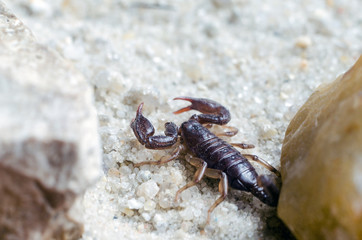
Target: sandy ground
(259, 59)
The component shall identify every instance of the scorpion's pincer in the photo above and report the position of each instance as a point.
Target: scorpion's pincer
(213, 112)
(141, 127)
(144, 131)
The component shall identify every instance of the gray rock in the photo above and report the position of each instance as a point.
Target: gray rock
(49, 145)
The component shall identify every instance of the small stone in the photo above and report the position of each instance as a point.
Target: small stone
(186, 195)
(148, 189)
(176, 177)
(321, 163)
(266, 128)
(149, 205)
(303, 65)
(113, 172)
(165, 199)
(160, 222)
(146, 216)
(164, 203)
(128, 212)
(134, 204)
(141, 227)
(73, 52)
(158, 218)
(187, 214)
(303, 42)
(125, 170)
(143, 175)
(186, 225)
(269, 133)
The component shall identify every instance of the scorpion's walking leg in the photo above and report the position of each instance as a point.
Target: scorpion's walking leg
(231, 131)
(243, 145)
(223, 188)
(201, 167)
(212, 173)
(144, 131)
(163, 160)
(213, 112)
(263, 163)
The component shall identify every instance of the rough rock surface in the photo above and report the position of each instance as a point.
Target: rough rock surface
(49, 146)
(321, 161)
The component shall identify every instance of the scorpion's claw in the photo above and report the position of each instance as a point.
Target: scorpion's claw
(213, 112)
(141, 127)
(144, 131)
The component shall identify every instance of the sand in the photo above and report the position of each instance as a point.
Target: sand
(259, 59)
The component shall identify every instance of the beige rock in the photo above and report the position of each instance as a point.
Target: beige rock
(49, 146)
(321, 196)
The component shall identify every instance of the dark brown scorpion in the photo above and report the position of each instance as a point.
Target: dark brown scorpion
(215, 158)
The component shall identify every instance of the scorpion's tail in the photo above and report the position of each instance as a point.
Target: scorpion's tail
(267, 191)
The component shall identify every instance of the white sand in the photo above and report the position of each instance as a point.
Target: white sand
(260, 59)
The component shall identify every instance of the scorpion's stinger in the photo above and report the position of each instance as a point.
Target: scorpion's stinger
(268, 192)
(213, 112)
(144, 131)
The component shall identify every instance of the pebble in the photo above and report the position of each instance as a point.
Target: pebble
(146, 216)
(134, 204)
(128, 212)
(143, 175)
(177, 177)
(187, 214)
(149, 205)
(303, 42)
(148, 189)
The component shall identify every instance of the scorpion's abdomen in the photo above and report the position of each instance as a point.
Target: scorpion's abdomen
(217, 153)
(222, 156)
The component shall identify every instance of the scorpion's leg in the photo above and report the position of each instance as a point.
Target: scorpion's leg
(201, 167)
(231, 131)
(243, 145)
(212, 173)
(213, 112)
(263, 163)
(144, 131)
(163, 160)
(223, 188)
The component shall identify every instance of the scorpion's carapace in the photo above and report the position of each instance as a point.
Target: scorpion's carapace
(214, 157)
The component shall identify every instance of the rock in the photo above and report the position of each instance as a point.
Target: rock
(49, 146)
(321, 196)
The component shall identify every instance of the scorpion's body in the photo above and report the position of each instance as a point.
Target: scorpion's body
(215, 158)
(220, 155)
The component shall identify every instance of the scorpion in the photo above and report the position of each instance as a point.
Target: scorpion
(215, 158)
